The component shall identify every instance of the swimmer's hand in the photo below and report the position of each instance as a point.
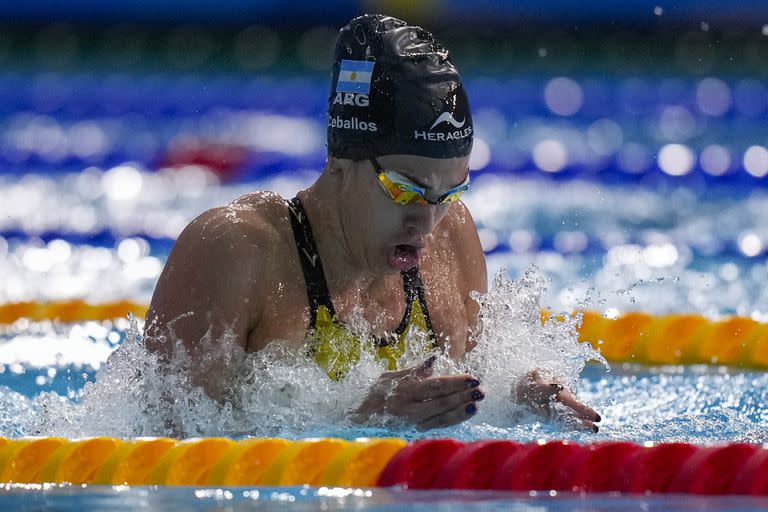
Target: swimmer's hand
(418, 398)
(539, 394)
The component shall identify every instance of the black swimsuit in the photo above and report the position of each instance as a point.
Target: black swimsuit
(323, 314)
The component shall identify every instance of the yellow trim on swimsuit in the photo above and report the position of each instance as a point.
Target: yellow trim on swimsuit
(333, 347)
(336, 350)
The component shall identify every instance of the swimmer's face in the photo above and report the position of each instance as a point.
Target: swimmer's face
(391, 237)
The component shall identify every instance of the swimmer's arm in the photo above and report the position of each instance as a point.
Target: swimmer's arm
(203, 298)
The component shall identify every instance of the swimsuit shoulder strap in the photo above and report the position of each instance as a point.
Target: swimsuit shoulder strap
(314, 276)
(317, 288)
(414, 291)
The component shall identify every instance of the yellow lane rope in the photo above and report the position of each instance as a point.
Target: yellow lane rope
(199, 461)
(632, 337)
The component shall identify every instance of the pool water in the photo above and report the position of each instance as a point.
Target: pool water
(699, 404)
(67, 498)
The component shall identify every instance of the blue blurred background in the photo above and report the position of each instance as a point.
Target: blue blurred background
(615, 91)
(123, 120)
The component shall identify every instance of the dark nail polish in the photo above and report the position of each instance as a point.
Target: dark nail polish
(471, 409)
(478, 395)
(472, 383)
(595, 429)
(597, 417)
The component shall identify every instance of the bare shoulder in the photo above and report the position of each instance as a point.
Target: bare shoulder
(221, 264)
(240, 238)
(258, 216)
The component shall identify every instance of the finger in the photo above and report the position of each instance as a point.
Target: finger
(424, 370)
(452, 417)
(555, 388)
(421, 371)
(421, 411)
(582, 411)
(435, 387)
(590, 426)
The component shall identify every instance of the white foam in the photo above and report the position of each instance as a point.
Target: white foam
(281, 392)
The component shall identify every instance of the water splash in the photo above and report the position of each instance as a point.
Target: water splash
(514, 342)
(279, 391)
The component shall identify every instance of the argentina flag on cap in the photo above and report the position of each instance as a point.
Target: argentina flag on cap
(355, 76)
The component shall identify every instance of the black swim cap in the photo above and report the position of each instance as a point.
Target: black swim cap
(395, 91)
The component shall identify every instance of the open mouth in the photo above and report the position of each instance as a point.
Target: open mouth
(405, 257)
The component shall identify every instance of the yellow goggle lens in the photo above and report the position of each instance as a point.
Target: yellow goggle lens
(406, 193)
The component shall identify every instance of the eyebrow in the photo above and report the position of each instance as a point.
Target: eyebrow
(427, 187)
(415, 181)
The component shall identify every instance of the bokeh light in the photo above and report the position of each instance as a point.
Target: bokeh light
(750, 244)
(715, 160)
(481, 155)
(756, 161)
(713, 96)
(676, 159)
(123, 182)
(550, 155)
(563, 96)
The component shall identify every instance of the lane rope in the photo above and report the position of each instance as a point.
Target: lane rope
(633, 337)
(612, 466)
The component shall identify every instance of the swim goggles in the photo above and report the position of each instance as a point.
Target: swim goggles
(403, 191)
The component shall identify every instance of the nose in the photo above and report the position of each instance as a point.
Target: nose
(422, 219)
